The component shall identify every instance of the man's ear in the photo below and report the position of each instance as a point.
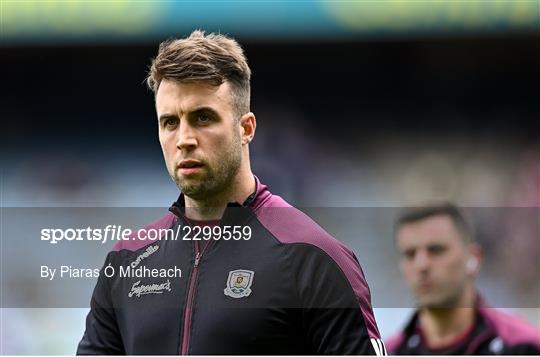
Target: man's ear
(248, 125)
(474, 260)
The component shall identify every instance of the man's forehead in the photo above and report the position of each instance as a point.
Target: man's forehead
(173, 96)
(435, 229)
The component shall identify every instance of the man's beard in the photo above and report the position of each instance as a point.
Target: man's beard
(447, 301)
(215, 180)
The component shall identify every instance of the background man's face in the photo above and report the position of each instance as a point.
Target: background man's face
(433, 260)
(199, 136)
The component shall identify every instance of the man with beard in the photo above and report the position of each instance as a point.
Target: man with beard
(269, 280)
(440, 260)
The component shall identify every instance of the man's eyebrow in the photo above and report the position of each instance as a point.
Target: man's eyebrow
(204, 109)
(163, 117)
(191, 112)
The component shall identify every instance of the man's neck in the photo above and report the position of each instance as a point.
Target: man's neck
(211, 209)
(442, 326)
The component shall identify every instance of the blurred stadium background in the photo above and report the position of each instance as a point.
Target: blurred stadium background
(373, 104)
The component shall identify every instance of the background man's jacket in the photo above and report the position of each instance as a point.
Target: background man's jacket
(494, 333)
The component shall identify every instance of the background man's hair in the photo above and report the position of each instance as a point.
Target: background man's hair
(415, 214)
(211, 58)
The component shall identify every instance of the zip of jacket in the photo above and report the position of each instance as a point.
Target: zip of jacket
(192, 289)
(192, 284)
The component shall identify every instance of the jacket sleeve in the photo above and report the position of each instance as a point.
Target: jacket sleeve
(102, 335)
(337, 314)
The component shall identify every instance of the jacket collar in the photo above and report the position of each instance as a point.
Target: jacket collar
(412, 324)
(254, 200)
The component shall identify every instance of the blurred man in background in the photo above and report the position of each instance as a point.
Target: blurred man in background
(440, 260)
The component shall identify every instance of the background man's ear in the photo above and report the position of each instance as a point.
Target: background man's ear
(472, 264)
(474, 260)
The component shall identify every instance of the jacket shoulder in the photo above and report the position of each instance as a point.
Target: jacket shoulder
(512, 329)
(290, 225)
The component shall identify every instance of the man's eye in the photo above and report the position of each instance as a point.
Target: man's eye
(409, 254)
(436, 249)
(204, 118)
(169, 122)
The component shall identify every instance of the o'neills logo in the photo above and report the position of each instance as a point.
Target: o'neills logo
(150, 250)
(137, 289)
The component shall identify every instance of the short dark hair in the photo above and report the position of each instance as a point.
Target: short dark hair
(211, 58)
(418, 213)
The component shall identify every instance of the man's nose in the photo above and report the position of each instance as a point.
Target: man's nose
(186, 136)
(421, 261)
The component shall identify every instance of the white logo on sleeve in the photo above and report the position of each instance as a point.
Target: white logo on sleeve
(239, 283)
(378, 346)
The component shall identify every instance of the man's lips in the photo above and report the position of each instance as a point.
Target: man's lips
(189, 167)
(425, 285)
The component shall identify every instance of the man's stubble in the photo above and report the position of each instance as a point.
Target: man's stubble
(216, 179)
